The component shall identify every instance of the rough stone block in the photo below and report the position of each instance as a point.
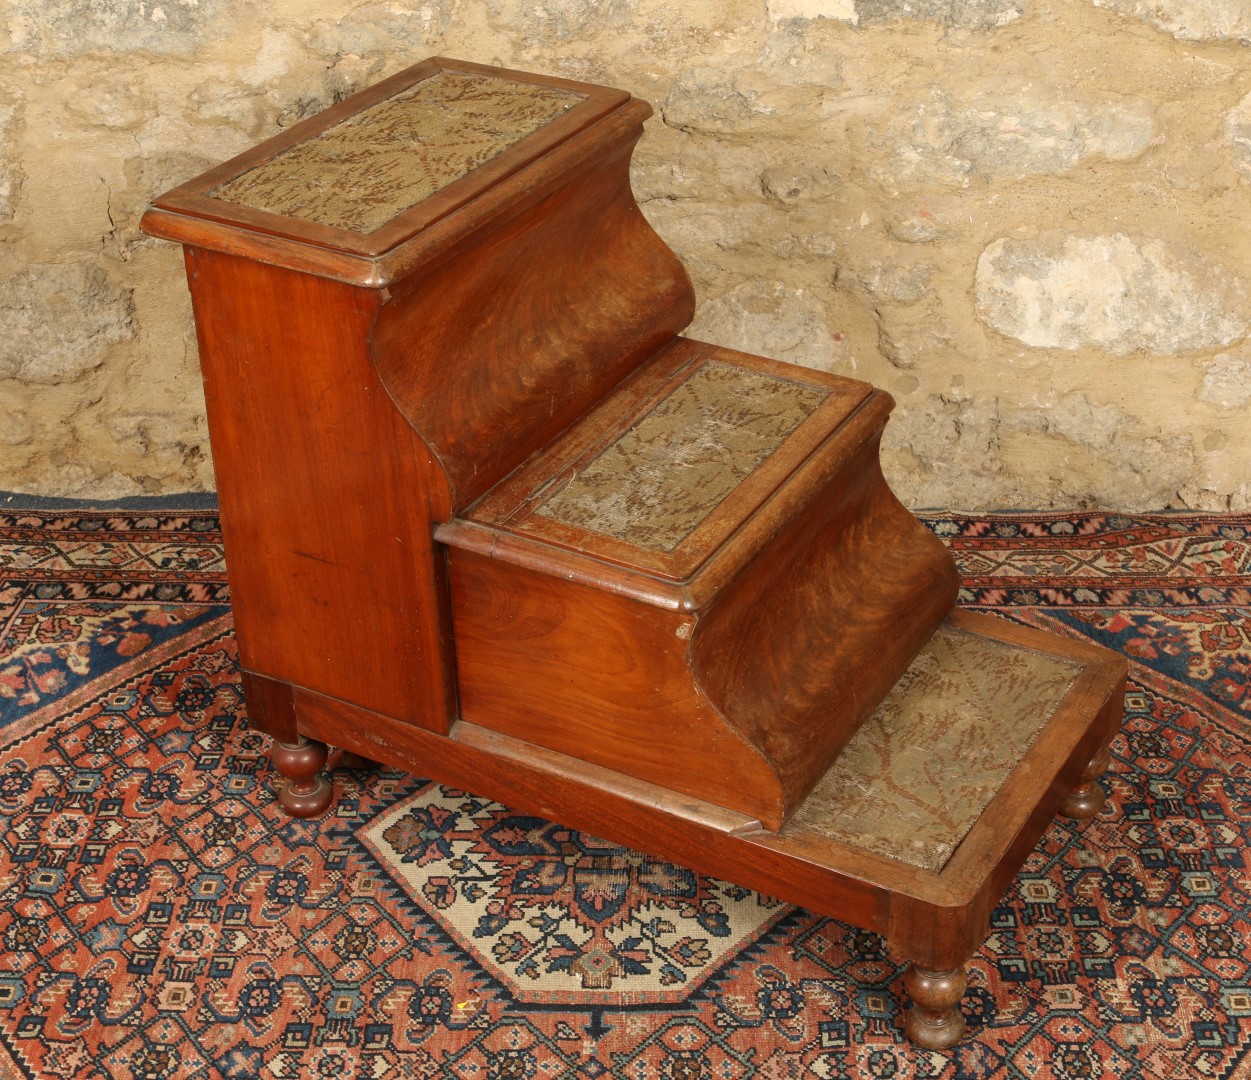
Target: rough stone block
(561, 20)
(1075, 418)
(1238, 131)
(711, 102)
(1114, 293)
(8, 157)
(844, 10)
(1227, 380)
(789, 186)
(60, 320)
(147, 176)
(114, 102)
(964, 13)
(1015, 134)
(773, 319)
(381, 29)
(918, 228)
(886, 282)
(78, 480)
(66, 28)
(1190, 20)
(15, 427)
(907, 333)
(943, 436)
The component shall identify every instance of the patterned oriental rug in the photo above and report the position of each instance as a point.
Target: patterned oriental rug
(161, 918)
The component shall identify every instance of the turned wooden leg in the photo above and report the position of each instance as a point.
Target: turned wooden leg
(1087, 799)
(306, 793)
(935, 1021)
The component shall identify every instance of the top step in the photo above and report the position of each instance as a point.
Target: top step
(363, 178)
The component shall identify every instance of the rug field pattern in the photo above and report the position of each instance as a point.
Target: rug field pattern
(160, 917)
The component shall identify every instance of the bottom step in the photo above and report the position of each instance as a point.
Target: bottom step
(915, 832)
(919, 773)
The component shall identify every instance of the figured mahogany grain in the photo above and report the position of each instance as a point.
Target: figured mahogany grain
(598, 676)
(810, 589)
(801, 647)
(506, 342)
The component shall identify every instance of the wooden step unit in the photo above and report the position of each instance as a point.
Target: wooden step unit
(674, 588)
(491, 518)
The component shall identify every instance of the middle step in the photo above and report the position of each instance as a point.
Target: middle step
(704, 583)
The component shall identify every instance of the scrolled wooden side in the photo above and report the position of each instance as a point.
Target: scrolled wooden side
(504, 341)
(801, 648)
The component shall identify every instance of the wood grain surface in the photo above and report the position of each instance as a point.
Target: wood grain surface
(335, 581)
(598, 676)
(804, 645)
(495, 351)
(744, 698)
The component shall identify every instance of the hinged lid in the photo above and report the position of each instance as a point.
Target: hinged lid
(370, 173)
(666, 475)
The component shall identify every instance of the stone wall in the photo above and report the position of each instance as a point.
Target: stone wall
(1027, 219)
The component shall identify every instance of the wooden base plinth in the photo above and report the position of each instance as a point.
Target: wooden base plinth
(932, 910)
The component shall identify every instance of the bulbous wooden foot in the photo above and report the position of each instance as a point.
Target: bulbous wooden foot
(306, 793)
(935, 1021)
(1087, 799)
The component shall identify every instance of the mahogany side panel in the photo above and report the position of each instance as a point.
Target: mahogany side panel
(323, 491)
(499, 347)
(802, 646)
(598, 676)
(270, 705)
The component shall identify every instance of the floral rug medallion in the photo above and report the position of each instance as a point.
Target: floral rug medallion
(556, 915)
